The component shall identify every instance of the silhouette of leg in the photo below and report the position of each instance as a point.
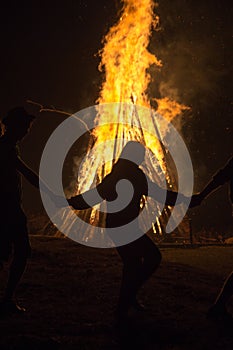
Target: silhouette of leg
(132, 268)
(17, 269)
(140, 259)
(151, 259)
(226, 292)
(218, 310)
(21, 247)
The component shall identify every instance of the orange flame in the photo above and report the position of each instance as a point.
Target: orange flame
(125, 62)
(170, 108)
(125, 57)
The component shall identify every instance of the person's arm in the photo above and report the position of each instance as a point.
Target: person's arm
(31, 176)
(220, 178)
(159, 194)
(173, 198)
(27, 172)
(211, 187)
(92, 197)
(87, 199)
(195, 200)
(78, 202)
(34, 180)
(208, 189)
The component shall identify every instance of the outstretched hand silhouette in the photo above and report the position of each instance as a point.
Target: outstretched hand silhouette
(59, 201)
(196, 200)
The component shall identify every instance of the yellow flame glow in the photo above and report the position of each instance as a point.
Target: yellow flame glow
(125, 63)
(125, 57)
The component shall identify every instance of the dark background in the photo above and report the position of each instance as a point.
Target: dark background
(49, 55)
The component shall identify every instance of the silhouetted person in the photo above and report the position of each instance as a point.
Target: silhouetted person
(13, 222)
(219, 308)
(140, 257)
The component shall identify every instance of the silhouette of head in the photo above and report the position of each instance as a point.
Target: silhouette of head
(133, 151)
(17, 122)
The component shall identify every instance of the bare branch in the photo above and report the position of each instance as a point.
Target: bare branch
(54, 110)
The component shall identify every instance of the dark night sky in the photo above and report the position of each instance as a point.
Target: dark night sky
(48, 54)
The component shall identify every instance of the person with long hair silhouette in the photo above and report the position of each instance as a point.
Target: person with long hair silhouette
(140, 257)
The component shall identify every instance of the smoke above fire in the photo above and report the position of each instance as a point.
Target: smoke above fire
(194, 51)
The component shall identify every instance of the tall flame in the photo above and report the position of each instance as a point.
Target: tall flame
(125, 57)
(125, 62)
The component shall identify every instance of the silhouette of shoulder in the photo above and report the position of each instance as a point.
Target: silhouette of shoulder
(126, 170)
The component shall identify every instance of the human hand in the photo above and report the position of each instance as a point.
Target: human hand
(196, 200)
(59, 201)
(71, 201)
